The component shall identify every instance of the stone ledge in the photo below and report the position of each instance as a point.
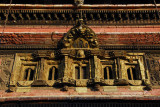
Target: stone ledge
(79, 97)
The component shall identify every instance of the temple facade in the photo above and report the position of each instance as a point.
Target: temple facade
(79, 51)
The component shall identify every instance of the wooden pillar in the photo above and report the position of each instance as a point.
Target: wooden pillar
(41, 67)
(66, 66)
(119, 69)
(97, 69)
(142, 69)
(53, 73)
(29, 74)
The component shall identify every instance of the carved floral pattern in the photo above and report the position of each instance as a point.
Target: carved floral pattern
(154, 68)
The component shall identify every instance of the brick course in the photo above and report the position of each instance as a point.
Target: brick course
(38, 94)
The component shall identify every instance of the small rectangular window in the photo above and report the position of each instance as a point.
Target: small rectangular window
(77, 73)
(108, 73)
(80, 72)
(84, 74)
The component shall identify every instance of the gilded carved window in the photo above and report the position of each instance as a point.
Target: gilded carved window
(81, 72)
(27, 71)
(29, 74)
(53, 73)
(108, 72)
(80, 63)
(51, 69)
(133, 74)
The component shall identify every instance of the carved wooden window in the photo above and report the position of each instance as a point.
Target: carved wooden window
(132, 74)
(29, 74)
(108, 74)
(80, 72)
(53, 73)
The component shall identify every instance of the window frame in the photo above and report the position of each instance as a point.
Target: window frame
(81, 76)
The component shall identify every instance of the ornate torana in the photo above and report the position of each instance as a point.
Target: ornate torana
(80, 36)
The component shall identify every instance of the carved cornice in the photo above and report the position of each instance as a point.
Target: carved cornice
(106, 47)
(91, 17)
(84, 6)
(131, 47)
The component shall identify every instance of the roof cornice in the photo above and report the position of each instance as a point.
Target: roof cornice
(86, 6)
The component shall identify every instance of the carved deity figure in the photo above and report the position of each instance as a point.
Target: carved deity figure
(80, 54)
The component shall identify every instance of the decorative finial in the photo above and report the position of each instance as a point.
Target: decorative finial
(78, 2)
(80, 22)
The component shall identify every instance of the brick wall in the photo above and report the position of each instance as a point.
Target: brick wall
(103, 39)
(141, 35)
